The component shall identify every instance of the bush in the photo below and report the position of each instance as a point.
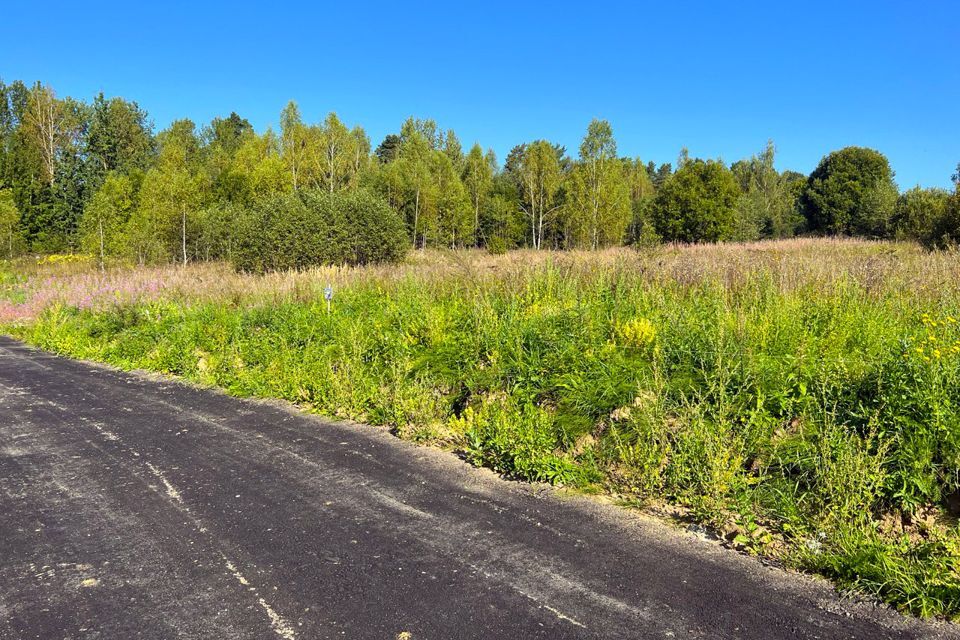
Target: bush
(918, 212)
(946, 228)
(309, 228)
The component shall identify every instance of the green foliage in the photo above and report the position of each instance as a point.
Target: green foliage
(697, 203)
(540, 178)
(918, 212)
(599, 206)
(851, 192)
(821, 416)
(119, 138)
(946, 229)
(57, 152)
(166, 224)
(10, 239)
(316, 227)
(767, 206)
(104, 223)
(478, 180)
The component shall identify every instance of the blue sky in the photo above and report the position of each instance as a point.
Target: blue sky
(719, 78)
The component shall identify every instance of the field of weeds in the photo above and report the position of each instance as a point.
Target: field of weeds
(801, 398)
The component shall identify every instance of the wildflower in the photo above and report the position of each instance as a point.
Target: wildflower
(637, 333)
(936, 353)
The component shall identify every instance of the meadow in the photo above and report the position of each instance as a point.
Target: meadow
(799, 398)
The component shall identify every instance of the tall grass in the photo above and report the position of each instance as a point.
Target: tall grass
(802, 398)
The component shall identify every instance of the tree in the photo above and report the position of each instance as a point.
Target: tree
(697, 203)
(360, 147)
(454, 151)
(173, 190)
(851, 192)
(257, 169)
(641, 229)
(407, 180)
(9, 221)
(293, 137)
(45, 122)
(946, 229)
(426, 130)
(767, 206)
(23, 170)
(337, 155)
(478, 179)
(120, 137)
(388, 150)
(503, 222)
(451, 203)
(540, 179)
(227, 134)
(106, 216)
(599, 207)
(661, 174)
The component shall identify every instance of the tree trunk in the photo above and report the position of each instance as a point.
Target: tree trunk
(183, 235)
(416, 217)
(476, 220)
(100, 227)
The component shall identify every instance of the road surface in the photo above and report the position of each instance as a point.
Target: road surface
(136, 507)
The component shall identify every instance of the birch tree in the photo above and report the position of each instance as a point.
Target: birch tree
(540, 179)
(45, 123)
(9, 220)
(599, 208)
(106, 215)
(293, 136)
(337, 156)
(478, 179)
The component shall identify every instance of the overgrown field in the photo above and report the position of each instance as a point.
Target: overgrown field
(801, 397)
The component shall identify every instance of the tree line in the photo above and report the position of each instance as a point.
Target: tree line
(95, 177)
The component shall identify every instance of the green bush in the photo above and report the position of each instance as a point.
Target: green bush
(918, 212)
(946, 229)
(309, 228)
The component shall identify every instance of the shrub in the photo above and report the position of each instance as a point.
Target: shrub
(946, 228)
(918, 212)
(310, 228)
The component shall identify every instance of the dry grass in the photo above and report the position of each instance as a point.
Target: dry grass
(882, 268)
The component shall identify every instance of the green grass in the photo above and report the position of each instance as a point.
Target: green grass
(816, 419)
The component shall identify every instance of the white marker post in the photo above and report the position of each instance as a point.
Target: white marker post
(328, 295)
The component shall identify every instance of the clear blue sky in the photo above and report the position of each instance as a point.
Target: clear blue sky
(719, 78)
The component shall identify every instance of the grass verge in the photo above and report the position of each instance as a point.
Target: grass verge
(800, 398)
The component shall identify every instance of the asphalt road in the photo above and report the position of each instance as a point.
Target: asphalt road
(135, 507)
